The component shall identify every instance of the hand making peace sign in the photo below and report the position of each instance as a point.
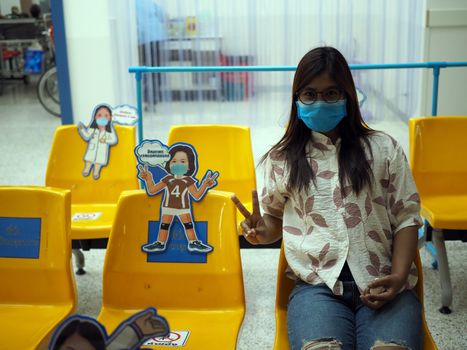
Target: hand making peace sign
(253, 227)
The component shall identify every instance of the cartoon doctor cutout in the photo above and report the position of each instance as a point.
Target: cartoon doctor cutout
(100, 135)
(179, 185)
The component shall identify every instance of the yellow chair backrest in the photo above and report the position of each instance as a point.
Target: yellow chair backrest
(66, 163)
(285, 286)
(130, 282)
(437, 154)
(45, 277)
(225, 148)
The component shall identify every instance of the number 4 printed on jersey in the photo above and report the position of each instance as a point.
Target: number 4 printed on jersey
(171, 170)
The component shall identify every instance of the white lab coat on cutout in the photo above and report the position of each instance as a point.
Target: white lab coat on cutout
(99, 143)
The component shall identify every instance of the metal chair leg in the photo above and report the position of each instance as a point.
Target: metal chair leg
(443, 267)
(79, 261)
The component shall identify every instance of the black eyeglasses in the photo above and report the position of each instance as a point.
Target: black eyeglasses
(310, 96)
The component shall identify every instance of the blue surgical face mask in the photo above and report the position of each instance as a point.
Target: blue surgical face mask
(178, 169)
(102, 121)
(322, 116)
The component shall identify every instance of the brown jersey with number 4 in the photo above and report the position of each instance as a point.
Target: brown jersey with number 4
(177, 193)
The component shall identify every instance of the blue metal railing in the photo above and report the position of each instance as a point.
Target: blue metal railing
(435, 66)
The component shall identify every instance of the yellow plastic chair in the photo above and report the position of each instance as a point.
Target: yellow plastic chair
(225, 148)
(206, 299)
(37, 291)
(439, 167)
(100, 196)
(285, 286)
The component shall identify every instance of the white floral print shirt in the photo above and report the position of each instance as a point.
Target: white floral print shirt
(324, 226)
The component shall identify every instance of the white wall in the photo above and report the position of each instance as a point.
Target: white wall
(446, 40)
(97, 65)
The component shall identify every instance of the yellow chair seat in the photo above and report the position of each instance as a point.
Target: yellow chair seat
(226, 149)
(208, 329)
(33, 321)
(36, 293)
(91, 229)
(64, 170)
(445, 211)
(206, 299)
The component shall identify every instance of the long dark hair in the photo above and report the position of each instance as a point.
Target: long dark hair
(353, 131)
(190, 155)
(94, 123)
(87, 329)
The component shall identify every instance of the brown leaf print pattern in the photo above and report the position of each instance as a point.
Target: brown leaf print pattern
(277, 156)
(368, 205)
(319, 220)
(272, 176)
(299, 212)
(322, 147)
(278, 170)
(389, 183)
(414, 198)
(311, 277)
(346, 191)
(314, 261)
(337, 197)
(386, 270)
(388, 234)
(324, 251)
(309, 204)
(355, 215)
(353, 210)
(314, 166)
(397, 207)
(327, 174)
(330, 264)
(374, 259)
(353, 221)
(310, 230)
(379, 200)
(293, 230)
(320, 262)
(374, 236)
(384, 183)
(375, 268)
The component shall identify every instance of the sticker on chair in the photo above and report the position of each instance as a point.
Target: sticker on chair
(100, 135)
(174, 338)
(82, 332)
(176, 237)
(20, 237)
(86, 216)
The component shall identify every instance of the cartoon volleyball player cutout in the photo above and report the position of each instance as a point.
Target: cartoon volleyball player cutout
(179, 186)
(100, 135)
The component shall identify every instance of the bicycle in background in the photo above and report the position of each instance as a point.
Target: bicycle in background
(47, 87)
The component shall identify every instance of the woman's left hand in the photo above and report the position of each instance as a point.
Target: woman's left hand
(382, 290)
(210, 179)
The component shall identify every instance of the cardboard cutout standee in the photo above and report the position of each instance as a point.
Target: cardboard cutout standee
(172, 171)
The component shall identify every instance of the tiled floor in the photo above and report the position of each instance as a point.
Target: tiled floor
(27, 132)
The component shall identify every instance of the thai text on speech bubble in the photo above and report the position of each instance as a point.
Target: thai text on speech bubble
(152, 153)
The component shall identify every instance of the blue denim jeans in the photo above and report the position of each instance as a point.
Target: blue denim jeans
(314, 313)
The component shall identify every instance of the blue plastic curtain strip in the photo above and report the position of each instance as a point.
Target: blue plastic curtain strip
(138, 71)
